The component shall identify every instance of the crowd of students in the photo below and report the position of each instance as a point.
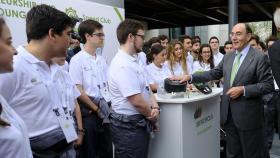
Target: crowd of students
(62, 100)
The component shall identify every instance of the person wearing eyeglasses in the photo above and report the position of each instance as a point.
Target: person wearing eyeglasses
(88, 69)
(14, 136)
(135, 110)
(176, 58)
(247, 77)
(205, 59)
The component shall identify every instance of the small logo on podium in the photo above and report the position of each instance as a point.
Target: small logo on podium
(198, 112)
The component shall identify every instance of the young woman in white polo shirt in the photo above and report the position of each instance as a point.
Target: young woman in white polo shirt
(205, 59)
(176, 58)
(14, 137)
(156, 69)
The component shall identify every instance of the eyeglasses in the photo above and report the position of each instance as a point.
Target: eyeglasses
(237, 34)
(142, 36)
(99, 34)
(206, 52)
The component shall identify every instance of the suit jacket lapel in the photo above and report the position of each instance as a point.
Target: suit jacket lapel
(229, 66)
(245, 64)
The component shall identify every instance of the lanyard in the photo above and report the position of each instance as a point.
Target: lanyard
(64, 90)
(57, 99)
(97, 73)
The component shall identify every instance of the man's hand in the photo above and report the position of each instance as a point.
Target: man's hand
(181, 78)
(154, 115)
(79, 141)
(235, 92)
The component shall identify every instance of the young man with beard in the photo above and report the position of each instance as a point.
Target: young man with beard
(134, 106)
(193, 55)
(88, 70)
(31, 89)
(163, 40)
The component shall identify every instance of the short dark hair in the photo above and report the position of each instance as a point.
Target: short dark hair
(127, 27)
(196, 37)
(152, 41)
(88, 27)
(155, 50)
(194, 40)
(162, 37)
(41, 18)
(264, 47)
(270, 38)
(227, 42)
(256, 38)
(183, 37)
(213, 37)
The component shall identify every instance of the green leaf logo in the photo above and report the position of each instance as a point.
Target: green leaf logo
(71, 12)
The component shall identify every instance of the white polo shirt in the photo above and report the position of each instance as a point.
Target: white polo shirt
(157, 74)
(142, 58)
(177, 68)
(200, 66)
(14, 138)
(218, 57)
(126, 78)
(72, 91)
(26, 90)
(90, 72)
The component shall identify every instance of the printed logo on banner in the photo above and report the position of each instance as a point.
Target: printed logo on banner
(71, 12)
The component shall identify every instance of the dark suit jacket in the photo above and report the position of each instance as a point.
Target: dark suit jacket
(274, 57)
(255, 75)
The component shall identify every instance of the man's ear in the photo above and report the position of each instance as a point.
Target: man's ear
(87, 36)
(51, 33)
(130, 37)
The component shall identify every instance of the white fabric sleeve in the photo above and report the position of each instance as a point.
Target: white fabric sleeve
(128, 81)
(76, 72)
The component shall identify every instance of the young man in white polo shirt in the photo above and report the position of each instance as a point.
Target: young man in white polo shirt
(31, 90)
(214, 43)
(133, 103)
(88, 70)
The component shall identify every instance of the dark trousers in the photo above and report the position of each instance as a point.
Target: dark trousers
(130, 143)
(269, 101)
(97, 142)
(244, 144)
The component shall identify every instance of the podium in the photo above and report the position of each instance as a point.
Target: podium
(189, 127)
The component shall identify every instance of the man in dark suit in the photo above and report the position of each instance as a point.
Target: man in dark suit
(274, 56)
(247, 76)
(274, 50)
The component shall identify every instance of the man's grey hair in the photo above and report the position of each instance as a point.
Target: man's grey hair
(277, 18)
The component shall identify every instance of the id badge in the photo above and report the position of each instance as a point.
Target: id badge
(105, 94)
(67, 128)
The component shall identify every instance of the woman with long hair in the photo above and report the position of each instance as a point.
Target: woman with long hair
(13, 133)
(205, 59)
(156, 69)
(176, 58)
